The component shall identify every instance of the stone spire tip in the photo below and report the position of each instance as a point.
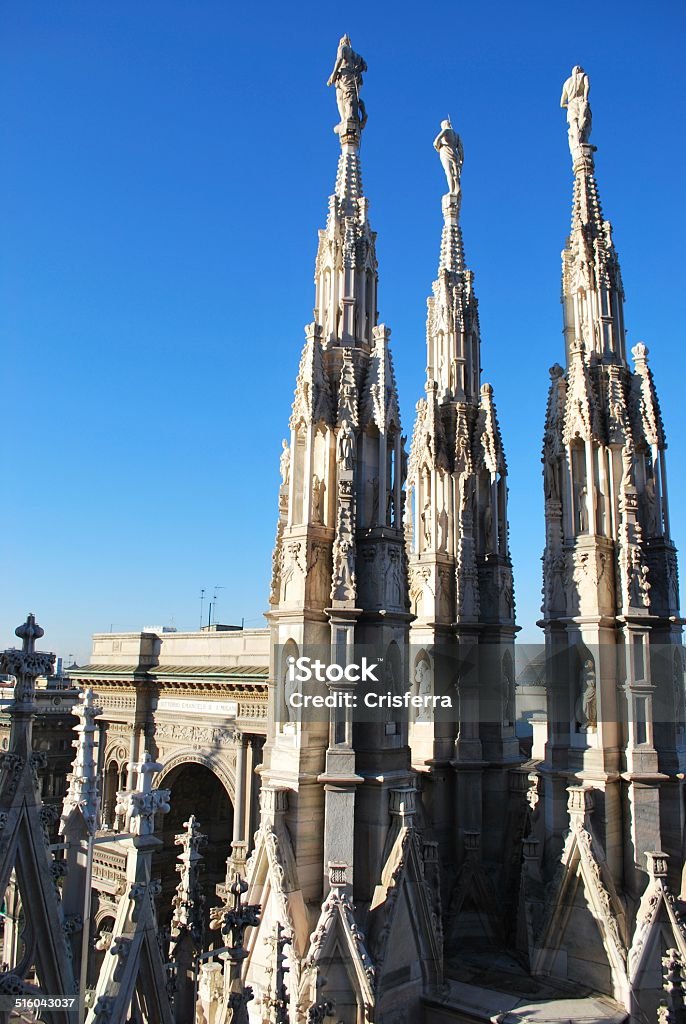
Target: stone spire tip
(346, 77)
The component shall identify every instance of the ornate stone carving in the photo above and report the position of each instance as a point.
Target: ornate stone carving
(448, 145)
(347, 79)
(575, 98)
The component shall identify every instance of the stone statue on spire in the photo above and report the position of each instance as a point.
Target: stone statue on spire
(575, 98)
(347, 78)
(448, 145)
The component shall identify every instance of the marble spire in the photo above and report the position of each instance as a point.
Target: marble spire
(610, 591)
(339, 581)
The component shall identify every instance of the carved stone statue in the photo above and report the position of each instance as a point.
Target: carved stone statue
(426, 523)
(575, 99)
(443, 530)
(375, 499)
(422, 677)
(552, 490)
(583, 510)
(489, 545)
(285, 462)
(344, 571)
(317, 496)
(650, 507)
(628, 480)
(587, 705)
(347, 78)
(448, 145)
(345, 446)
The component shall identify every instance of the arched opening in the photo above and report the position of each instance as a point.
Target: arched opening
(195, 789)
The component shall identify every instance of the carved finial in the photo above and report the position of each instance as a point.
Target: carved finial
(640, 353)
(29, 632)
(83, 787)
(189, 901)
(347, 79)
(575, 98)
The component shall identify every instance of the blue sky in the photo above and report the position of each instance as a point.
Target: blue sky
(165, 169)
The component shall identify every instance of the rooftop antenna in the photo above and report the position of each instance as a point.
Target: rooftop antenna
(202, 601)
(214, 602)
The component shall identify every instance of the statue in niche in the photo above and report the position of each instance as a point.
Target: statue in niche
(650, 507)
(586, 709)
(575, 98)
(507, 695)
(345, 446)
(426, 523)
(550, 479)
(582, 510)
(489, 546)
(600, 512)
(558, 601)
(289, 688)
(452, 377)
(448, 145)
(639, 587)
(344, 588)
(422, 677)
(627, 468)
(317, 499)
(375, 499)
(443, 530)
(393, 588)
(508, 598)
(285, 462)
(347, 79)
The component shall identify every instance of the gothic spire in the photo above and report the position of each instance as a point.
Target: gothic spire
(592, 290)
(345, 272)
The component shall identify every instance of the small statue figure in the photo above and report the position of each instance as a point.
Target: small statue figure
(347, 78)
(448, 145)
(443, 530)
(587, 704)
(489, 546)
(651, 507)
(583, 510)
(575, 99)
(285, 462)
(344, 574)
(375, 500)
(345, 446)
(552, 490)
(426, 523)
(317, 495)
(628, 480)
(422, 677)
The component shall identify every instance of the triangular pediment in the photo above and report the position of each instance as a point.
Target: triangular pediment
(404, 895)
(583, 934)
